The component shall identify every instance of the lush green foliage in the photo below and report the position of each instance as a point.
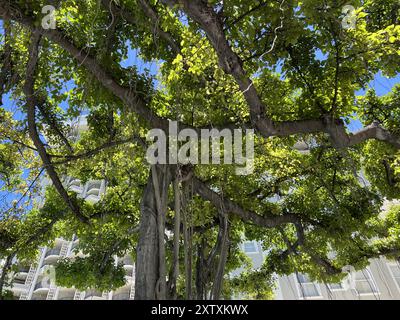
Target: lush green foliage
(312, 68)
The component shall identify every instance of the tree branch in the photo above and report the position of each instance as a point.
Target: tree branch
(97, 150)
(300, 242)
(153, 15)
(233, 208)
(53, 125)
(6, 58)
(261, 4)
(33, 133)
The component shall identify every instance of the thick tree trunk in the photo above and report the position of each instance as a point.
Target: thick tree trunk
(148, 248)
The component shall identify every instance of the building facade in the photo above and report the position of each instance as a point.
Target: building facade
(36, 282)
(379, 281)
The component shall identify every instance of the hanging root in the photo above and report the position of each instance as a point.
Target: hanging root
(223, 256)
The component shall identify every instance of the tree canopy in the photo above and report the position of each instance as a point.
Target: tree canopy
(288, 69)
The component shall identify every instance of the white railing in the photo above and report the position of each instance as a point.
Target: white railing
(52, 292)
(64, 250)
(31, 275)
(28, 282)
(79, 295)
(132, 291)
(23, 296)
(105, 295)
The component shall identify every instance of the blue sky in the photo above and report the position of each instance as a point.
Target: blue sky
(382, 86)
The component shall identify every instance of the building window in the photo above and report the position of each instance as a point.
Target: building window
(307, 288)
(364, 283)
(335, 286)
(250, 247)
(395, 270)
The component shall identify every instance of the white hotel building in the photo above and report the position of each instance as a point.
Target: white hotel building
(379, 281)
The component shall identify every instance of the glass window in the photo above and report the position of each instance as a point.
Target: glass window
(335, 286)
(307, 288)
(364, 282)
(395, 269)
(250, 246)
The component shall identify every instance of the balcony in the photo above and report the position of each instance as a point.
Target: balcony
(53, 252)
(39, 296)
(93, 191)
(66, 294)
(43, 285)
(76, 186)
(23, 269)
(19, 281)
(18, 285)
(127, 261)
(52, 256)
(94, 298)
(94, 295)
(66, 298)
(129, 279)
(20, 276)
(74, 245)
(121, 296)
